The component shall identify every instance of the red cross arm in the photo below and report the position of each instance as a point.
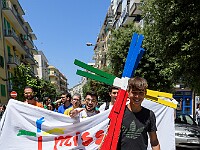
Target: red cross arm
(116, 115)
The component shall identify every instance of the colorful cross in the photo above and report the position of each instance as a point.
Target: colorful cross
(134, 55)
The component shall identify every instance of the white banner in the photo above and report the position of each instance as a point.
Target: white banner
(26, 127)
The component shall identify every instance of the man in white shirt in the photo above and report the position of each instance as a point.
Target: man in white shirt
(198, 114)
(113, 91)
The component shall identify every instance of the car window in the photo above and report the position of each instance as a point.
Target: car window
(184, 119)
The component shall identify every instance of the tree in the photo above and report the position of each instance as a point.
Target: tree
(100, 88)
(118, 49)
(172, 33)
(150, 67)
(23, 77)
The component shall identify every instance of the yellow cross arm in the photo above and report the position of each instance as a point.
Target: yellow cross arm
(162, 101)
(155, 96)
(158, 94)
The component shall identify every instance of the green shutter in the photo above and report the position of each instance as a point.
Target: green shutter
(3, 90)
(4, 3)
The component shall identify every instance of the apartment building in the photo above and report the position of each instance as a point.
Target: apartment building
(42, 70)
(58, 79)
(120, 12)
(16, 38)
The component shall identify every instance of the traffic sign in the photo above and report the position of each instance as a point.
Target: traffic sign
(13, 94)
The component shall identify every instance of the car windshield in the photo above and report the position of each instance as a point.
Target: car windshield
(184, 119)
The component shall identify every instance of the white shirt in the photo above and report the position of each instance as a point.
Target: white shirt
(85, 114)
(103, 106)
(198, 112)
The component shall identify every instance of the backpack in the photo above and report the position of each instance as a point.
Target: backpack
(107, 105)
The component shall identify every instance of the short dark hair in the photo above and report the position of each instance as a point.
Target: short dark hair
(45, 99)
(137, 83)
(29, 87)
(67, 94)
(113, 88)
(92, 93)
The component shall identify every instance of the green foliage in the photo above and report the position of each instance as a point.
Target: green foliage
(172, 43)
(119, 46)
(101, 89)
(172, 32)
(150, 67)
(23, 77)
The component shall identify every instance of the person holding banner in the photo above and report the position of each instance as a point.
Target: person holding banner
(137, 120)
(29, 97)
(76, 102)
(91, 100)
(66, 102)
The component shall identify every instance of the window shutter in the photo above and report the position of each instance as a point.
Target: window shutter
(3, 90)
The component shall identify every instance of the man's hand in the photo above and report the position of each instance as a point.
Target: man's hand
(75, 112)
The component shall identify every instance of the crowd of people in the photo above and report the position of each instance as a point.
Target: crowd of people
(138, 122)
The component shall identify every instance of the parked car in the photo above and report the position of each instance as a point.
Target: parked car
(187, 132)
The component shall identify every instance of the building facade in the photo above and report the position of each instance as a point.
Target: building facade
(58, 79)
(16, 44)
(42, 70)
(120, 13)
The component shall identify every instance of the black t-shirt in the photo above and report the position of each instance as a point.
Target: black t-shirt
(134, 129)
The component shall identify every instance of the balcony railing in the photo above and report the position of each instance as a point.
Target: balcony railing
(20, 41)
(27, 38)
(13, 60)
(8, 5)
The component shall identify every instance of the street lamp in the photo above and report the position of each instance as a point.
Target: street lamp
(89, 44)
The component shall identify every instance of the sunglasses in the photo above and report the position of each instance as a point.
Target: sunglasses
(92, 100)
(28, 93)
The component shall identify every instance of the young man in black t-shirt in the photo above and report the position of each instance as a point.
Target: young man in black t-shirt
(137, 120)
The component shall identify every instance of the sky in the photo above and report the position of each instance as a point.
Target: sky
(63, 27)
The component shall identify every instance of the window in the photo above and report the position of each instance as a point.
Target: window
(1, 61)
(8, 49)
(3, 90)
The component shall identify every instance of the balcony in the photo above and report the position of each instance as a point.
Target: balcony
(134, 8)
(29, 41)
(15, 40)
(118, 10)
(13, 61)
(53, 75)
(29, 57)
(10, 11)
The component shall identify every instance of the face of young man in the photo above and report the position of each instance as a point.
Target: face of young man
(90, 102)
(136, 97)
(28, 94)
(113, 95)
(76, 101)
(64, 98)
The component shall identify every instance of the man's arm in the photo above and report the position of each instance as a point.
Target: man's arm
(154, 141)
